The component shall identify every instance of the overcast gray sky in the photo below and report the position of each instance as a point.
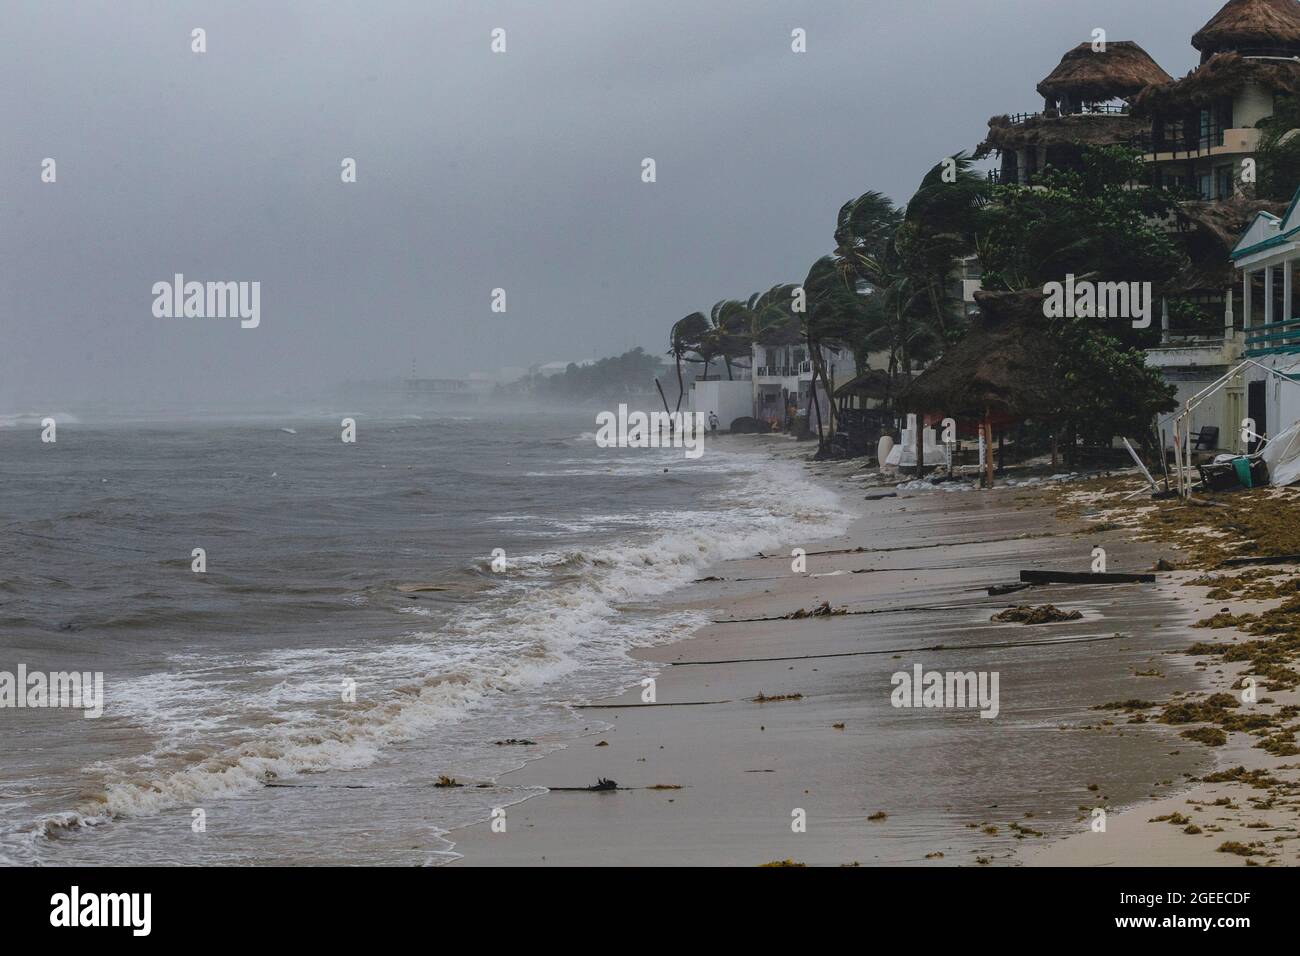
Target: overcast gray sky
(475, 170)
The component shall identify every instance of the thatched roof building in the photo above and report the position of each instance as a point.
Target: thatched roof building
(1258, 27)
(1085, 75)
(1222, 75)
(1002, 367)
(874, 384)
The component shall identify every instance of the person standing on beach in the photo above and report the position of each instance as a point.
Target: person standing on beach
(713, 422)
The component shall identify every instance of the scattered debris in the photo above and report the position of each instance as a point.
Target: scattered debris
(516, 742)
(600, 785)
(879, 815)
(821, 610)
(1026, 614)
(782, 863)
(1241, 849)
(996, 590)
(445, 781)
(1210, 736)
(1265, 559)
(764, 699)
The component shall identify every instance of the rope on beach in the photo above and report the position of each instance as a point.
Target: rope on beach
(688, 703)
(909, 650)
(874, 610)
(786, 577)
(923, 547)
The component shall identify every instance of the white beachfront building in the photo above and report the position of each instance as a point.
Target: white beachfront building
(783, 375)
(1266, 258)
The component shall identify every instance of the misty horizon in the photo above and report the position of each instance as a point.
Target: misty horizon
(475, 171)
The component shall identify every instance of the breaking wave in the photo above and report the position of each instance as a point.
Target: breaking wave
(558, 626)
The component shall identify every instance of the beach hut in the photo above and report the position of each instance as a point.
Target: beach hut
(866, 408)
(999, 373)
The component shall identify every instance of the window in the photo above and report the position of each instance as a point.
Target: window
(1223, 182)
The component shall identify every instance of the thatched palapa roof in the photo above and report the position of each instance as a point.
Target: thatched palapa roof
(874, 383)
(1250, 24)
(1222, 75)
(1086, 75)
(1082, 76)
(1002, 367)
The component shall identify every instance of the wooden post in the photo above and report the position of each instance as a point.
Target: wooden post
(920, 444)
(988, 449)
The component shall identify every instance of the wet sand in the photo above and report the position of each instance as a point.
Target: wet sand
(955, 788)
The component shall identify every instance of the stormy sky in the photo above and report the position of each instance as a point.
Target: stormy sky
(475, 170)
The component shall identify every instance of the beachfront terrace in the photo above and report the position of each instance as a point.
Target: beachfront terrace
(1266, 257)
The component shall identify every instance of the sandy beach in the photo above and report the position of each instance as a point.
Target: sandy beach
(710, 773)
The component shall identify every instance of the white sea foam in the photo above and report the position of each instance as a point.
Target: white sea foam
(227, 726)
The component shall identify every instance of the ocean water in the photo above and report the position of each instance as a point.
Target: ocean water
(226, 735)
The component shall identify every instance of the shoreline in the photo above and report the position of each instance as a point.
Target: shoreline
(716, 782)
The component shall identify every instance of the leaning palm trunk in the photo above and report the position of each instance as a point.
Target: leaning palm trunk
(681, 386)
(819, 374)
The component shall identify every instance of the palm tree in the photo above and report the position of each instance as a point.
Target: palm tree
(938, 230)
(773, 321)
(686, 336)
(836, 315)
(864, 237)
(730, 326)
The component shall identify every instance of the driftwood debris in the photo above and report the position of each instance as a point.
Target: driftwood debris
(1084, 577)
(997, 589)
(600, 785)
(1266, 559)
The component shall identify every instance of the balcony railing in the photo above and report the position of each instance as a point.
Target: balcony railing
(1103, 109)
(1179, 138)
(1273, 338)
(784, 371)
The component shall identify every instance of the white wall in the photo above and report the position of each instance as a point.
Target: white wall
(730, 400)
(1251, 104)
